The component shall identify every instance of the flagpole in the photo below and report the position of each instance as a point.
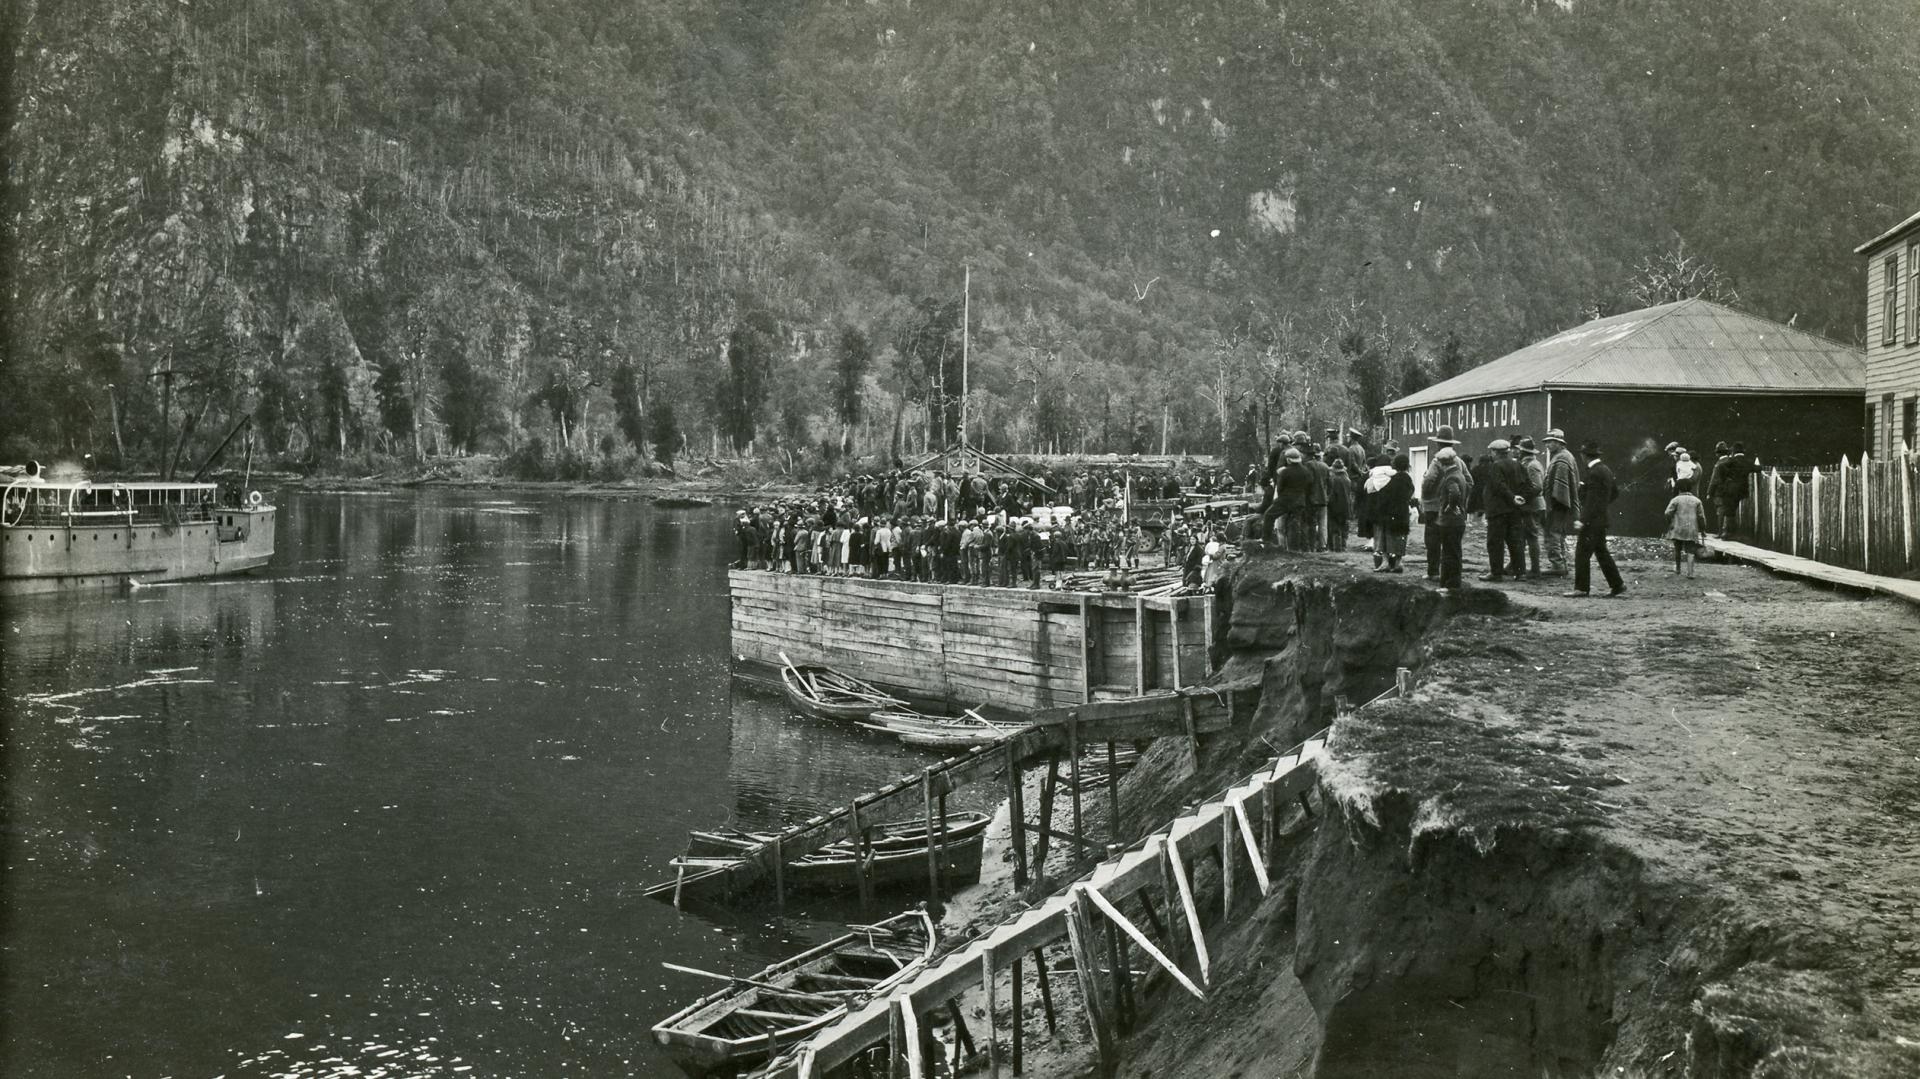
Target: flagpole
(966, 318)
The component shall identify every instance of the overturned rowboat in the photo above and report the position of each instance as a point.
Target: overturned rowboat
(754, 1018)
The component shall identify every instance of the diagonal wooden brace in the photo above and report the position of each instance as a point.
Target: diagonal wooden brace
(1131, 930)
(1185, 887)
(1253, 849)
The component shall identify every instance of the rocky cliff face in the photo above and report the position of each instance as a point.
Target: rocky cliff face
(1468, 904)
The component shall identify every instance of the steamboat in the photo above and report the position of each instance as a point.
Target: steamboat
(59, 537)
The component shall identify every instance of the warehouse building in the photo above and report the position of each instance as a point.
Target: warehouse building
(1691, 372)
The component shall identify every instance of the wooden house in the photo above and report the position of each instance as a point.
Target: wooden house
(1893, 338)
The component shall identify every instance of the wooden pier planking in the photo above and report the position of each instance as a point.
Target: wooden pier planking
(1011, 648)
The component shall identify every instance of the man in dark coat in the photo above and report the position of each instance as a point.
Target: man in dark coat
(1508, 490)
(1728, 488)
(1318, 498)
(1596, 517)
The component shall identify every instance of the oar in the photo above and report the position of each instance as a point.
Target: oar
(831, 998)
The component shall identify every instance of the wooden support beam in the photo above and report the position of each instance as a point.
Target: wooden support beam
(1226, 865)
(962, 1037)
(779, 877)
(933, 849)
(901, 1047)
(1185, 888)
(1047, 789)
(862, 860)
(1017, 1019)
(1089, 650)
(1120, 920)
(1069, 837)
(1173, 629)
(1153, 918)
(987, 984)
(1073, 753)
(1142, 642)
(1046, 989)
(1017, 815)
(1086, 970)
(1254, 857)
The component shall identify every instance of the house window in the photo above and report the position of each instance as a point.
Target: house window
(1913, 297)
(1890, 302)
(1907, 427)
(1886, 425)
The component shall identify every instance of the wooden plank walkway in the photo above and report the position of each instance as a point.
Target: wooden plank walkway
(1235, 830)
(1808, 569)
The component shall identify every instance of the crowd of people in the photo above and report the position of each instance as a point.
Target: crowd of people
(969, 528)
(963, 527)
(1533, 496)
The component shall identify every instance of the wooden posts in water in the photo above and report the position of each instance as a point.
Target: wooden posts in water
(779, 876)
(1048, 787)
(862, 859)
(933, 843)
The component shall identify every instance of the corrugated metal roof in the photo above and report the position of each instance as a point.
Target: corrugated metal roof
(1885, 236)
(1693, 346)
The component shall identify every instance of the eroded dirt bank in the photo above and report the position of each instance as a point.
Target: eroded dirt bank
(1669, 836)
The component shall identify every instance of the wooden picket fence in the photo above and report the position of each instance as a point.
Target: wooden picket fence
(1862, 516)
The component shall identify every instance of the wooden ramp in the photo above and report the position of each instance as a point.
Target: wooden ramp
(1808, 569)
(1053, 734)
(1236, 831)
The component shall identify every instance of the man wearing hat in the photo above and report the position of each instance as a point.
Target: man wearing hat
(1561, 493)
(1441, 439)
(1508, 490)
(1596, 499)
(1533, 521)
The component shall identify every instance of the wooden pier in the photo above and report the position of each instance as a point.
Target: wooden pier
(1010, 648)
(1237, 832)
(1060, 737)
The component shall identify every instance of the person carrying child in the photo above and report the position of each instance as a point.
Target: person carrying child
(1685, 518)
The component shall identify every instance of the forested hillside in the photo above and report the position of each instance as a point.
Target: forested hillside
(578, 229)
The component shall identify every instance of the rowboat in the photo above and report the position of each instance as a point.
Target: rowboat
(824, 693)
(752, 1019)
(939, 732)
(896, 855)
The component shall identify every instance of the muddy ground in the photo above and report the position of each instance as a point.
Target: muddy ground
(1721, 774)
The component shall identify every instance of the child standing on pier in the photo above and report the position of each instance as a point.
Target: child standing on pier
(1684, 521)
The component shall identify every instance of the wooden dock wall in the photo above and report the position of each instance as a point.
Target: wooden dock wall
(1011, 648)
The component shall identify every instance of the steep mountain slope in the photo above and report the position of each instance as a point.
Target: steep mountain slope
(471, 224)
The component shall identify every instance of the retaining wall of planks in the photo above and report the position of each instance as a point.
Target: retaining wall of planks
(1011, 648)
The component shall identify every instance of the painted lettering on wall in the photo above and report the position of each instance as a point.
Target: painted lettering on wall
(1498, 412)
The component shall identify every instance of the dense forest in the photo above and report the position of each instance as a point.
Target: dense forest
(588, 233)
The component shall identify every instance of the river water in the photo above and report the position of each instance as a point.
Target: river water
(384, 808)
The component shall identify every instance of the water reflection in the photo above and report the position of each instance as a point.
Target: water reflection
(385, 809)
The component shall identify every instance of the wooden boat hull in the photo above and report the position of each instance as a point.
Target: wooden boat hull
(106, 554)
(811, 704)
(938, 732)
(743, 1025)
(898, 859)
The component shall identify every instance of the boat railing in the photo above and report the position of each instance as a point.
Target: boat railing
(29, 505)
